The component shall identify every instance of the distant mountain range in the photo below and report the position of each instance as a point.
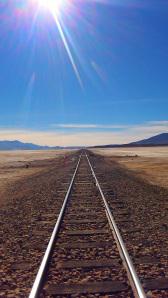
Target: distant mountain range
(161, 139)
(17, 145)
(158, 140)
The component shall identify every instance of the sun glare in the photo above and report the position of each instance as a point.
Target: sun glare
(53, 6)
(56, 8)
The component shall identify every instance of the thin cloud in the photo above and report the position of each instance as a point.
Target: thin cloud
(88, 126)
(160, 123)
(86, 137)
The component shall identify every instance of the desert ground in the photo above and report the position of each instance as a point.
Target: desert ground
(35, 185)
(15, 165)
(149, 163)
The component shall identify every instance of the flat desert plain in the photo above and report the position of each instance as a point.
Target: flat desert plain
(149, 163)
(15, 165)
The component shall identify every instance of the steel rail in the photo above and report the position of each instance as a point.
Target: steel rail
(35, 291)
(133, 277)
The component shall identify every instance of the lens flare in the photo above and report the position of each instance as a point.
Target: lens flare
(67, 16)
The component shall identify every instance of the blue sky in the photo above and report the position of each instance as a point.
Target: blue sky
(110, 88)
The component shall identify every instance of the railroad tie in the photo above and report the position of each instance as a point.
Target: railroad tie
(91, 288)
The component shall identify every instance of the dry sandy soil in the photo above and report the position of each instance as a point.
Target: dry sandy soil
(15, 165)
(148, 163)
(34, 202)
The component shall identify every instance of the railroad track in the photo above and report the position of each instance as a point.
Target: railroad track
(86, 256)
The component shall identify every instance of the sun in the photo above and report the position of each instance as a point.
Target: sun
(54, 6)
(56, 9)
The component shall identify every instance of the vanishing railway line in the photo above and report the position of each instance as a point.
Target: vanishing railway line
(86, 256)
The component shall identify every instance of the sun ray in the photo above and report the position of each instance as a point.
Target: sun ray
(61, 32)
(54, 7)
